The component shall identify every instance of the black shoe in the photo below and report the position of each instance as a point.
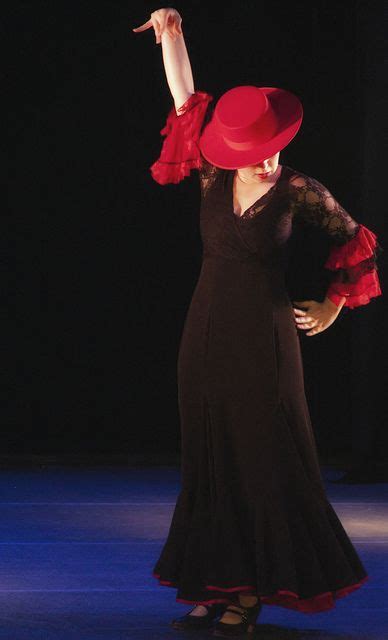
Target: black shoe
(240, 629)
(199, 622)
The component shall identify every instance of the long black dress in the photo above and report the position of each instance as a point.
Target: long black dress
(252, 514)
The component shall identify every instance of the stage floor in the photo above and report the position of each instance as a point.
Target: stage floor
(78, 546)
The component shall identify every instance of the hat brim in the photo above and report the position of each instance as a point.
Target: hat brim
(290, 113)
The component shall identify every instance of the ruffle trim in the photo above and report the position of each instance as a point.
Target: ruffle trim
(359, 248)
(355, 263)
(180, 151)
(282, 597)
(356, 294)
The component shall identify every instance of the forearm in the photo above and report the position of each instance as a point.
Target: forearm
(177, 68)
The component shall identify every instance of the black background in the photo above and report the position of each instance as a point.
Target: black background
(102, 261)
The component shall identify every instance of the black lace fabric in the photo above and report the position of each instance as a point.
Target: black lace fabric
(207, 174)
(355, 248)
(313, 203)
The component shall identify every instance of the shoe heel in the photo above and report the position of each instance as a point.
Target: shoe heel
(246, 626)
(253, 614)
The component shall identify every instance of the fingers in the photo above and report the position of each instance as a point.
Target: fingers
(162, 27)
(152, 22)
(144, 26)
(314, 327)
(312, 319)
(170, 25)
(161, 24)
(304, 320)
(314, 331)
(177, 26)
(302, 317)
(308, 325)
(299, 312)
(156, 25)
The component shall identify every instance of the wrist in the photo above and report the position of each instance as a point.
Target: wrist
(337, 305)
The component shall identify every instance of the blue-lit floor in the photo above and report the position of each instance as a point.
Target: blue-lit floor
(78, 547)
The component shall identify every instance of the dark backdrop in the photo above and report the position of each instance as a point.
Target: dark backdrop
(103, 261)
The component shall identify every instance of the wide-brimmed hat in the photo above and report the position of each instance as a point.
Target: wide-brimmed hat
(250, 124)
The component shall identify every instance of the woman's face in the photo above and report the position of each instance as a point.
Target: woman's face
(261, 171)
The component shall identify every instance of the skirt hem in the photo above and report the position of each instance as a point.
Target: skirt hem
(282, 598)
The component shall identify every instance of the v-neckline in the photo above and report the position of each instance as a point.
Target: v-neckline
(231, 180)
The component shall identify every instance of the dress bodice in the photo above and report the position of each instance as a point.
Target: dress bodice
(263, 231)
(259, 233)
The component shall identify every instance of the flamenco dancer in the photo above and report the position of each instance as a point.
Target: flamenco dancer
(252, 524)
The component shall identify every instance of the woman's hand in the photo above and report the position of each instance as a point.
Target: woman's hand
(316, 316)
(167, 19)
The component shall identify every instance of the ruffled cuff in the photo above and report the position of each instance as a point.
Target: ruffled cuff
(355, 265)
(180, 151)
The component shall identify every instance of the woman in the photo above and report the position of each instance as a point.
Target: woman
(252, 524)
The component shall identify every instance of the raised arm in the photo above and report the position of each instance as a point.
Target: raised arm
(167, 24)
(178, 68)
(180, 152)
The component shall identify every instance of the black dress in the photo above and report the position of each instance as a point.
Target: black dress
(252, 513)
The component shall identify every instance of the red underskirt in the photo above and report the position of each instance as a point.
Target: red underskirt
(283, 598)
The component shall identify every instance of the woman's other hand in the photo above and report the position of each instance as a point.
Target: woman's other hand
(163, 20)
(315, 316)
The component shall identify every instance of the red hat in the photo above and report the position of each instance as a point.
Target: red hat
(250, 124)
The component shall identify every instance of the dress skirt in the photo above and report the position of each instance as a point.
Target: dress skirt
(252, 514)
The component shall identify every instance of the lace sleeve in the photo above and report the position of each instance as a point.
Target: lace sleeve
(355, 249)
(207, 175)
(180, 151)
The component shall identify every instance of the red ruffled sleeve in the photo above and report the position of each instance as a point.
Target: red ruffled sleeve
(180, 151)
(355, 269)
